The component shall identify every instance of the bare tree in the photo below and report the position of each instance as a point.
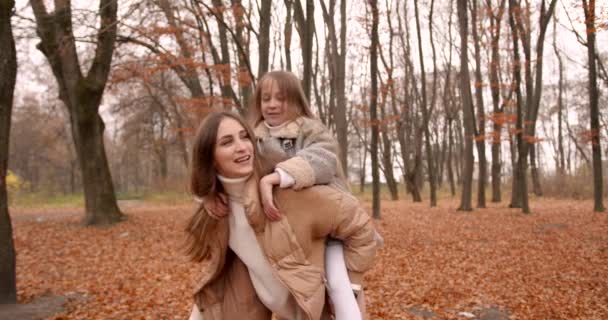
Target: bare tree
(519, 193)
(337, 65)
(82, 95)
(596, 147)
(467, 109)
(495, 29)
(425, 110)
(561, 163)
(480, 135)
(306, 29)
(409, 133)
(8, 69)
(533, 95)
(374, 110)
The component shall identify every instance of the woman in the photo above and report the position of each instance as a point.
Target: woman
(255, 267)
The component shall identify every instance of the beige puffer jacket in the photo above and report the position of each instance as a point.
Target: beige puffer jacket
(295, 248)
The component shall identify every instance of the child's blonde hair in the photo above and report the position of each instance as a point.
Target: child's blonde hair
(289, 85)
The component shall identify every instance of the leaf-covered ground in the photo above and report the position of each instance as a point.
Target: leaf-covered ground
(437, 263)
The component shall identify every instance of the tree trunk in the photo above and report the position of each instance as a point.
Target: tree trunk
(448, 105)
(519, 189)
(374, 110)
(387, 159)
(534, 172)
(532, 114)
(338, 76)
(450, 156)
(264, 37)
(244, 78)
(82, 96)
(426, 116)
(533, 91)
(340, 117)
(596, 147)
(480, 138)
(467, 107)
(495, 24)
(8, 69)
(561, 163)
(405, 123)
(225, 72)
(307, 49)
(288, 31)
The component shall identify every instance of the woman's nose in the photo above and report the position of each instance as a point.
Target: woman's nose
(240, 144)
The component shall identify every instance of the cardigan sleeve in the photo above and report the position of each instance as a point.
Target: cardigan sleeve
(316, 162)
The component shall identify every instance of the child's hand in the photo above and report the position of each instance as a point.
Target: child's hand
(217, 207)
(266, 185)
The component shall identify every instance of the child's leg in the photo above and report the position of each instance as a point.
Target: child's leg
(196, 314)
(340, 290)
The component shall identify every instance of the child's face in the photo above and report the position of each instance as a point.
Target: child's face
(275, 107)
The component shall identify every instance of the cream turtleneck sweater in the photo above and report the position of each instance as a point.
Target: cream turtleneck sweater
(242, 240)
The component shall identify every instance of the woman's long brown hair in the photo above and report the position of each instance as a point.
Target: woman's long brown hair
(204, 181)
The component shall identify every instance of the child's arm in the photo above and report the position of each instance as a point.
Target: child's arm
(317, 161)
(266, 185)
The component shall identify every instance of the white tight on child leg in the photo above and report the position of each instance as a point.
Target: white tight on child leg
(195, 314)
(340, 290)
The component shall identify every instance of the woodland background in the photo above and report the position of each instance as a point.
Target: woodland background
(436, 102)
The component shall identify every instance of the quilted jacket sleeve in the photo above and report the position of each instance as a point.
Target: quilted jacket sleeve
(354, 227)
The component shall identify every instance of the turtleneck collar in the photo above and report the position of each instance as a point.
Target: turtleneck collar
(234, 187)
(276, 129)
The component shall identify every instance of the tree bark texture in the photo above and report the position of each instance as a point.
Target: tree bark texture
(519, 189)
(307, 49)
(8, 70)
(264, 37)
(467, 107)
(374, 111)
(426, 116)
(480, 138)
(596, 147)
(495, 24)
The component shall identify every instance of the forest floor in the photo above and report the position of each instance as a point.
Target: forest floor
(437, 263)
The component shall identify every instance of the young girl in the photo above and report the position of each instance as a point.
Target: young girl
(303, 153)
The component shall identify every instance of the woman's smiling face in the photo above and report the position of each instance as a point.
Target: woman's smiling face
(233, 156)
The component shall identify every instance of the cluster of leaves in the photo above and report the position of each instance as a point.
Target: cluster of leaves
(548, 265)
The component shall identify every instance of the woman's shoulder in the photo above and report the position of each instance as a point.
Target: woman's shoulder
(314, 197)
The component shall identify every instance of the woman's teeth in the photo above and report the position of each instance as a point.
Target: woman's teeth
(242, 159)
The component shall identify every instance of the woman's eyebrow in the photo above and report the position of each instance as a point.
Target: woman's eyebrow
(225, 137)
